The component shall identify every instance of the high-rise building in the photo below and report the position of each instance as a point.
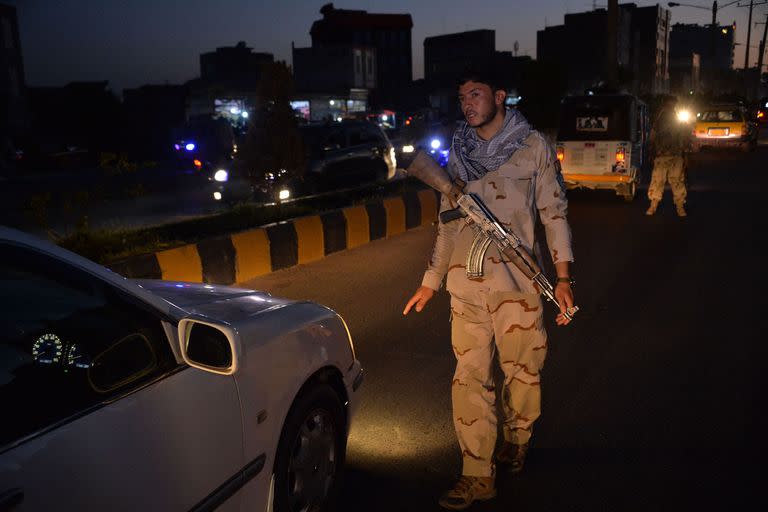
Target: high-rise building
(579, 47)
(649, 48)
(642, 48)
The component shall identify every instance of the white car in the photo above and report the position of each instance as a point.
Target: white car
(120, 394)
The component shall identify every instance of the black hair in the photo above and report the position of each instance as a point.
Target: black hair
(482, 75)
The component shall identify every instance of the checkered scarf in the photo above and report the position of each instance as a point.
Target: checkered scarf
(475, 157)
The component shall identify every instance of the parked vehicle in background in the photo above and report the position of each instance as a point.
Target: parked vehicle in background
(204, 143)
(434, 139)
(338, 155)
(724, 126)
(602, 142)
(157, 395)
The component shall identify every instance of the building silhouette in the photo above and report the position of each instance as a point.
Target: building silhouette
(716, 68)
(649, 48)
(579, 47)
(13, 107)
(447, 56)
(388, 34)
(228, 83)
(642, 48)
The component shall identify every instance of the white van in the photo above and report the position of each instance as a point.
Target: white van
(602, 142)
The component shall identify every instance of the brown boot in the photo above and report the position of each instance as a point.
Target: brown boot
(467, 490)
(512, 456)
(652, 209)
(681, 211)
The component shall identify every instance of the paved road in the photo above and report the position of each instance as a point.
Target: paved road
(653, 398)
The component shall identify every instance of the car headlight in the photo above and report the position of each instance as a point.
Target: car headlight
(217, 196)
(683, 116)
(221, 175)
(284, 194)
(408, 148)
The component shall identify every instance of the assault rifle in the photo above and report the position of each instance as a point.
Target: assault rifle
(486, 226)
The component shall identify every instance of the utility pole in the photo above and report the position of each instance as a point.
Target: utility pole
(749, 36)
(612, 60)
(761, 52)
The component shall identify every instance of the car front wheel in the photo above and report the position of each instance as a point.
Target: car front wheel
(310, 455)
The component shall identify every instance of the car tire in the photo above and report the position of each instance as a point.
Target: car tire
(310, 454)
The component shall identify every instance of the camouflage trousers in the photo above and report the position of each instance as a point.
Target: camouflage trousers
(511, 323)
(668, 169)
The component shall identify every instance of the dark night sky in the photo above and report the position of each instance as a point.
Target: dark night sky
(135, 42)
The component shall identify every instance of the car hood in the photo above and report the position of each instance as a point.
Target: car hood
(224, 303)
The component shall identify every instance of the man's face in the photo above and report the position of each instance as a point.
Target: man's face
(479, 104)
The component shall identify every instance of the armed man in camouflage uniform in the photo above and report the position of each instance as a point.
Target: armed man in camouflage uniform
(515, 172)
(669, 141)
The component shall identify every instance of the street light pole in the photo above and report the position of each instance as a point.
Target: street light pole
(761, 51)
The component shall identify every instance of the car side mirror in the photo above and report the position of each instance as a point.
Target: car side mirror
(209, 346)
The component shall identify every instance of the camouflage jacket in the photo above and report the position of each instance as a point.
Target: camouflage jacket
(526, 188)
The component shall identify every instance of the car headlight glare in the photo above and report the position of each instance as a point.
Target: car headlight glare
(408, 148)
(683, 116)
(221, 175)
(217, 196)
(284, 194)
(435, 144)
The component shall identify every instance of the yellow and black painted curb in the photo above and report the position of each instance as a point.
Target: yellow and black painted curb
(238, 257)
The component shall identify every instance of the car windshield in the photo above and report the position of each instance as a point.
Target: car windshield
(595, 118)
(723, 116)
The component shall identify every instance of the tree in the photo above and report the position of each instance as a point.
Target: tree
(273, 144)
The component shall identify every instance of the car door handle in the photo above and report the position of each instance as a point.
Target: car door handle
(11, 498)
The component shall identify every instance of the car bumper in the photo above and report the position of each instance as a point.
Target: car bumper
(594, 181)
(734, 142)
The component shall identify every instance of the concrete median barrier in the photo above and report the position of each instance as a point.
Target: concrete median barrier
(238, 257)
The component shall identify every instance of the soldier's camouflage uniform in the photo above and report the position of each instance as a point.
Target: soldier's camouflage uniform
(669, 142)
(501, 310)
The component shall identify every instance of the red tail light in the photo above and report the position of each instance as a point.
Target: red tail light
(620, 154)
(198, 163)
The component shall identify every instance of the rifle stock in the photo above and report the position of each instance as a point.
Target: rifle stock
(426, 169)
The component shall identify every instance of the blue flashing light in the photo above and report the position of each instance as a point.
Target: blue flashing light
(190, 147)
(442, 158)
(435, 144)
